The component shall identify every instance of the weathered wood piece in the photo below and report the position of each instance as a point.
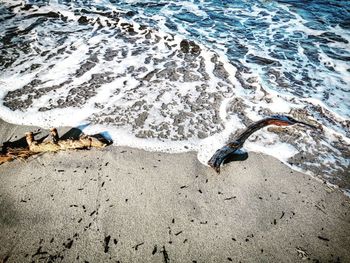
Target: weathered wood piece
(232, 147)
(54, 145)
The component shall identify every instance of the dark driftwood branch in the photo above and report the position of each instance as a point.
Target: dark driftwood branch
(55, 145)
(54, 135)
(232, 147)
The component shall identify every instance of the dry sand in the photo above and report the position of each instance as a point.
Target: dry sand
(128, 205)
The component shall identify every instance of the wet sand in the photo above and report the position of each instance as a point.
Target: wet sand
(129, 205)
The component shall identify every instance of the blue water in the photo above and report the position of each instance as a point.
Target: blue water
(276, 30)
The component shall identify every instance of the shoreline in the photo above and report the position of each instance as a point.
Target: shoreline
(18, 130)
(131, 205)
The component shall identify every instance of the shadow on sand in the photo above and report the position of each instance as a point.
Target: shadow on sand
(238, 155)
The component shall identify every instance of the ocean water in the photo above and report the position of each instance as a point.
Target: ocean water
(185, 75)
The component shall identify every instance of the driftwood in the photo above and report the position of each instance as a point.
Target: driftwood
(12, 154)
(233, 147)
(54, 145)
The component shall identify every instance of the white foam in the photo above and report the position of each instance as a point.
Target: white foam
(193, 8)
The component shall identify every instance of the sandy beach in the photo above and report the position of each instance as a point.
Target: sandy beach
(121, 204)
